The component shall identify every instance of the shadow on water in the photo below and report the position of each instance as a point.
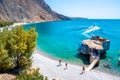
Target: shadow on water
(85, 58)
(103, 56)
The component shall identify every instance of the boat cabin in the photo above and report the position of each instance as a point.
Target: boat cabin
(94, 45)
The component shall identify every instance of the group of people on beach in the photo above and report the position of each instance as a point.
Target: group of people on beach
(61, 64)
(83, 67)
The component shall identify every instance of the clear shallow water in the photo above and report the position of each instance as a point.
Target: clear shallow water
(61, 39)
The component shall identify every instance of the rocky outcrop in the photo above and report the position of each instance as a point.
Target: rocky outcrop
(27, 11)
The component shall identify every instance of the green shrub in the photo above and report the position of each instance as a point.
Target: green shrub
(32, 74)
(6, 62)
(16, 48)
(5, 23)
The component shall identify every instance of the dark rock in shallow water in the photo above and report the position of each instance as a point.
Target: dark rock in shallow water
(106, 65)
(27, 11)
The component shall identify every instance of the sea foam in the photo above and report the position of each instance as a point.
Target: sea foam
(89, 30)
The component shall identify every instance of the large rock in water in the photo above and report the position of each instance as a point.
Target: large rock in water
(27, 11)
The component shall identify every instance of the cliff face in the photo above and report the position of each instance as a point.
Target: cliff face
(27, 11)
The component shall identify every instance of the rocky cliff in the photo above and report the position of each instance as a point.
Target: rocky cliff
(27, 11)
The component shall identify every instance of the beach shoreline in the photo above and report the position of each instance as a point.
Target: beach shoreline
(48, 67)
(59, 73)
(44, 54)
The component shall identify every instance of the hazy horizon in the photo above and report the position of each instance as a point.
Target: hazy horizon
(92, 9)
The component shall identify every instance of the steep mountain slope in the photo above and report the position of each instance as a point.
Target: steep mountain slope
(27, 11)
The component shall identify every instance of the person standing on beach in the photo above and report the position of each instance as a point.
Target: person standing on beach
(66, 65)
(83, 70)
(60, 62)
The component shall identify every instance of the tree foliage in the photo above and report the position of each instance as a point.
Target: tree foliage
(6, 62)
(5, 23)
(16, 47)
(32, 74)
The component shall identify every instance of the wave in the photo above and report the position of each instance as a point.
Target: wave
(90, 30)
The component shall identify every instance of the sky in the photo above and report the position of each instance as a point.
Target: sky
(93, 9)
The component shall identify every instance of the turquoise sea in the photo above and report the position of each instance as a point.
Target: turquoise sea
(61, 39)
